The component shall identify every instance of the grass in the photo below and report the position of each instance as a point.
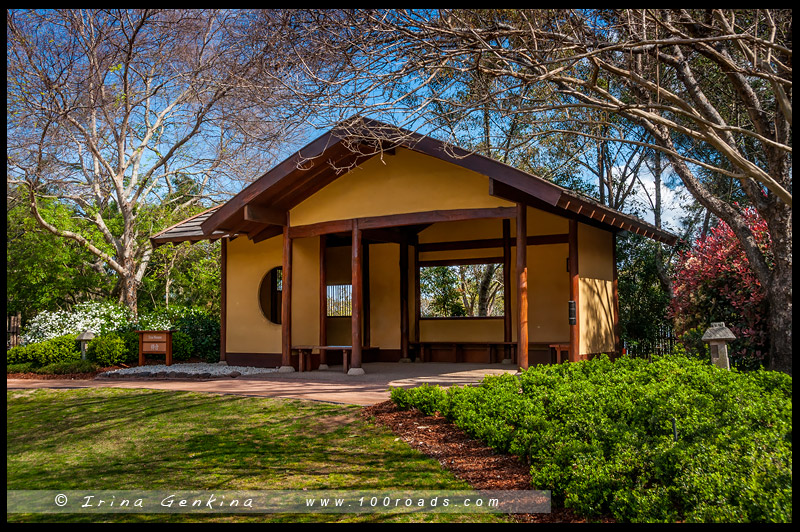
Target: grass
(115, 439)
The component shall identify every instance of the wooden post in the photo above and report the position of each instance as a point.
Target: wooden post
(323, 302)
(507, 318)
(356, 265)
(416, 296)
(574, 292)
(367, 328)
(404, 299)
(286, 305)
(223, 299)
(522, 285)
(615, 302)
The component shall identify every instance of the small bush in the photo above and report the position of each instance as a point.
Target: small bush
(24, 367)
(107, 350)
(182, 348)
(59, 349)
(65, 368)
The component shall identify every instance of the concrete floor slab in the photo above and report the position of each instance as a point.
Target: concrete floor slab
(331, 385)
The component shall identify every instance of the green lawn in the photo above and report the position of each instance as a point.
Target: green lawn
(97, 439)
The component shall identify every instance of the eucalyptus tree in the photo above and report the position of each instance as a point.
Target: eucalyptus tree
(106, 107)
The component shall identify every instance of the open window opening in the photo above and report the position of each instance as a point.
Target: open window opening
(462, 291)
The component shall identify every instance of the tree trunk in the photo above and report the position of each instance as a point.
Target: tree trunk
(779, 291)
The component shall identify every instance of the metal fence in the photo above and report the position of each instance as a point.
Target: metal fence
(661, 344)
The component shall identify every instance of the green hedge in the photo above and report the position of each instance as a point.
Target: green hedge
(60, 349)
(599, 435)
(107, 350)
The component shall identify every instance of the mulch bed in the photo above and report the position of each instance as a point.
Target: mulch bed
(468, 459)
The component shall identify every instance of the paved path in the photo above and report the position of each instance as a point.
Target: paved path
(329, 386)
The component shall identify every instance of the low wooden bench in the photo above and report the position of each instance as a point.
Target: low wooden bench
(559, 353)
(304, 352)
(424, 349)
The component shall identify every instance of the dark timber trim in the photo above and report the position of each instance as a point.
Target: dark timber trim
(574, 292)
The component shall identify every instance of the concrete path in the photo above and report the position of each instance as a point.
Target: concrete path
(326, 385)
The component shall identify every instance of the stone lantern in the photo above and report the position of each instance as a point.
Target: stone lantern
(84, 338)
(717, 338)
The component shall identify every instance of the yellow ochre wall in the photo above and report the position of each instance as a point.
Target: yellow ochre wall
(401, 183)
(413, 182)
(248, 331)
(596, 271)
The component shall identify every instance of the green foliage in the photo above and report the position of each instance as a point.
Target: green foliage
(107, 350)
(43, 271)
(599, 435)
(22, 367)
(60, 349)
(181, 346)
(643, 302)
(438, 289)
(65, 368)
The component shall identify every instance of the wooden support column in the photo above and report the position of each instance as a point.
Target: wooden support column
(507, 318)
(404, 300)
(286, 305)
(223, 300)
(615, 302)
(574, 292)
(323, 302)
(416, 299)
(356, 266)
(367, 330)
(522, 285)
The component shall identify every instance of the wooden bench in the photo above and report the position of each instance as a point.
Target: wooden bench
(425, 348)
(304, 353)
(559, 353)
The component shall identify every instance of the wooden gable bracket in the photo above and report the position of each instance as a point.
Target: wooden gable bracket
(264, 215)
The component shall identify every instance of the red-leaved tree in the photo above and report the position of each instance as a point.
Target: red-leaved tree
(714, 282)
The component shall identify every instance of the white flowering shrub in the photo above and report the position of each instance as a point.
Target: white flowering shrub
(95, 316)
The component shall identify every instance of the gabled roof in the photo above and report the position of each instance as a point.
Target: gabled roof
(260, 210)
(187, 231)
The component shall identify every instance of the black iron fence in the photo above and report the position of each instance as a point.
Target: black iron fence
(660, 343)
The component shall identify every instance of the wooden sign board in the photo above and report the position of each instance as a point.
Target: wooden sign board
(156, 342)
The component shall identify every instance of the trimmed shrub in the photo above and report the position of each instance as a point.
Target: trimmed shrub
(599, 434)
(182, 348)
(64, 368)
(24, 367)
(60, 349)
(107, 350)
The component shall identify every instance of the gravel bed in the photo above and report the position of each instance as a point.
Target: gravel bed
(185, 370)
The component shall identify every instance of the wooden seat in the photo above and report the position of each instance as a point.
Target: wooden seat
(305, 351)
(425, 348)
(559, 353)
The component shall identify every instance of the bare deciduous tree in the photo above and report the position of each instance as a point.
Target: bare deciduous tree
(711, 88)
(111, 109)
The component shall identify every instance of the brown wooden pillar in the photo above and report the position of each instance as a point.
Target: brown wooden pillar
(223, 299)
(522, 285)
(574, 292)
(404, 299)
(356, 266)
(367, 327)
(507, 318)
(416, 295)
(615, 301)
(323, 301)
(286, 304)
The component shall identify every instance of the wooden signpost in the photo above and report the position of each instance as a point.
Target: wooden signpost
(155, 342)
